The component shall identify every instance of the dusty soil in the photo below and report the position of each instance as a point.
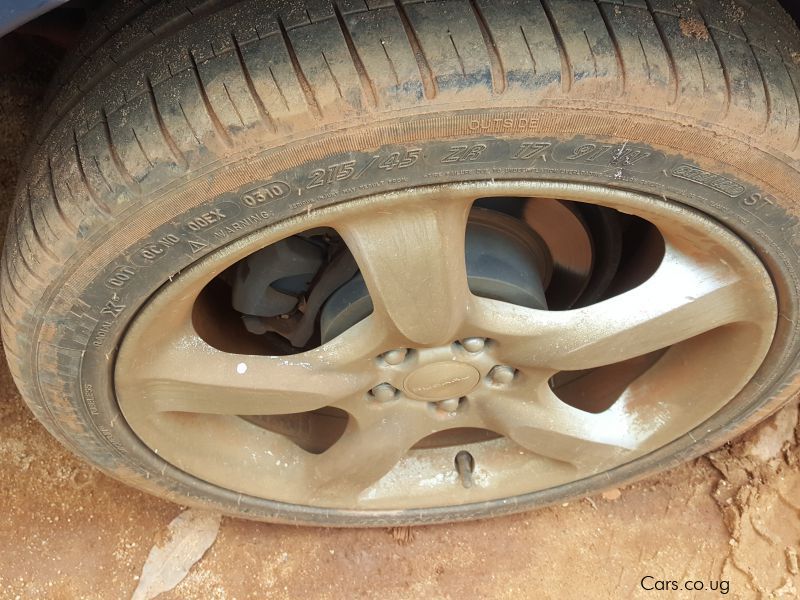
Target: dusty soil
(694, 28)
(67, 531)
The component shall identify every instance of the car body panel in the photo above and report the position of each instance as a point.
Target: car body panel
(14, 13)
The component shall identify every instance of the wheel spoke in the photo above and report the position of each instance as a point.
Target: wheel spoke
(189, 375)
(682, 299)
(719, 360)
(543, 424)
(368, 449)
(412, 259)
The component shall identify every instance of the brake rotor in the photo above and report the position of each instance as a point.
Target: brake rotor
(564, 231)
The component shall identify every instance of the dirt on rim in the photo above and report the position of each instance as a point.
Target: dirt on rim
(730, 520)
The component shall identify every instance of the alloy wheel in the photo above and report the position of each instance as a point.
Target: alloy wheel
(436, 394)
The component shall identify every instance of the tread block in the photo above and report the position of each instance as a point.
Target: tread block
(587, 47)
(702, 90)
(453, 47)
(275, 80)
(649, 72)
(749, 105)
(101, 167)
(324, 62)
(228, 94)
(386, 55)
(525, 44)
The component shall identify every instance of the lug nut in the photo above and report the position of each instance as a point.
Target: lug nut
(473, 344)
(383, 392)
(448, 406)
(396, 356)
(502, 375)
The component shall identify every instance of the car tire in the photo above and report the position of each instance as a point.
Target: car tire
(177, 132)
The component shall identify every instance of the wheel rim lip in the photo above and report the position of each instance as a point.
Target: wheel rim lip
(200, 273)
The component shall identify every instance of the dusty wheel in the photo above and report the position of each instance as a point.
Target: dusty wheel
(409, 262)
(429, 370)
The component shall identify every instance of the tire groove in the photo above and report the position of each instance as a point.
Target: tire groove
(233, 104)
(23, 281)
(23, 256)
(176, 152)
(528, 46)
(458, 56)
(266, 117)
(725, 71)
(496, 67)
(85, 180)
(36, 235)
(615, 44)
(305, 86)
(8, 350)
(390, 62)
(218, 125)
(797, 102)
(566, 66)
(702, 73)
(5, 300)
(673, 66)
(19, 282)
(189, 124)
(9, 321)
(102, 175)
(425, 72)
(115, 157)
(646, 60)
(366, 82)
(46, 221)
(11, 283)
(56, 202)
(333, 75)
(141, 147)
(591, 52)
(767, 95)
(278, 88)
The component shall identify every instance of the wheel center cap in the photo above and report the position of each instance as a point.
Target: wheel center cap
(442, 380)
